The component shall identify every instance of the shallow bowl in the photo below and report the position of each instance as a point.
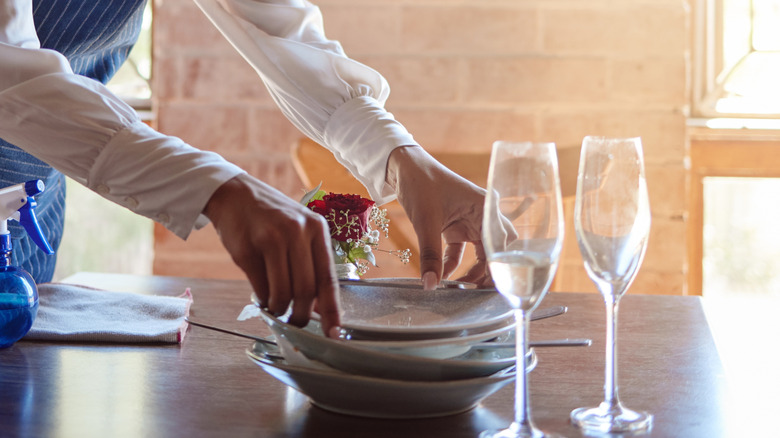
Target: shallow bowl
(377, 397)
(361, 358)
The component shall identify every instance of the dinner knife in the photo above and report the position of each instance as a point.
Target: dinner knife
(547, 343)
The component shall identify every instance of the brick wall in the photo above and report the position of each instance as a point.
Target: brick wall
(464, 73)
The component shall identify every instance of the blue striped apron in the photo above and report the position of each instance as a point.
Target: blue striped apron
(96, 37)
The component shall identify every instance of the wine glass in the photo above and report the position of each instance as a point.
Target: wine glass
(612, 223)
(522, 232)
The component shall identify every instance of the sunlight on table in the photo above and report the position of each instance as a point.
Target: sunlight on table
(83, 396)
(745, 331)
(742, 293)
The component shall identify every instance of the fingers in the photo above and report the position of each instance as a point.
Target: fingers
(453, 254)
(479, 273)
(304, 276)
(282, 247)
(327, 288)
(259, 283)
(309, 276)
(279, 286)
(510, 235)
(429, 239)
(303, 284)
(441, 206)
(476, 275)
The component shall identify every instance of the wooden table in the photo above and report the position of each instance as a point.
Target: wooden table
(207, 387)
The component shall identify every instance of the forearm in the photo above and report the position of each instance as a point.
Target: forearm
(77, 126)
(411, 165)
(331, 98)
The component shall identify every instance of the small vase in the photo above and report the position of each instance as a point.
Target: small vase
(347, 271)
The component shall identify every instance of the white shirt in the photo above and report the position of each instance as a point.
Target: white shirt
(80, 128)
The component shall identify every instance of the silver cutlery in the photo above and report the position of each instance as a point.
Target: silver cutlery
(400, 285)
(577, 342)
(548, 312)
(483, 345)
(231, 332)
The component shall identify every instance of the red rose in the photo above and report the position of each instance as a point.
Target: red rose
(347, 215)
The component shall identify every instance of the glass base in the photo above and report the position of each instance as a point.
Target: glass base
(607, 419)
(515, 431)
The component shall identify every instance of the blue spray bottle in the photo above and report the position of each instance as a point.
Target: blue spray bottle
(18, 293)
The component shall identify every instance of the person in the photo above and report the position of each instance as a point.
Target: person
(57, 117)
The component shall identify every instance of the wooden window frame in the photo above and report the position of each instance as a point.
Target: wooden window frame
(708, 63)
(723, 153)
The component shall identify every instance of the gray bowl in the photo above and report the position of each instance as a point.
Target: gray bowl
(378, 397)
(355, 357)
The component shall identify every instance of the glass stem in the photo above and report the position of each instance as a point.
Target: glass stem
(522, 401)
(610, 370)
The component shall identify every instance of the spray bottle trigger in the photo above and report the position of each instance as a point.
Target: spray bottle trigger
(30, 223)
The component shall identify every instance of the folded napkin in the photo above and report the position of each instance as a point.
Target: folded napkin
(78, 313)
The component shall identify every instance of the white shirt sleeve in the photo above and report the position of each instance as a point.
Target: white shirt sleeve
(76, 125)
(334, 100)
(17, 27)
(79, 127)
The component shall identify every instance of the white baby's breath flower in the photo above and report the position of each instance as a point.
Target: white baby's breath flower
(357, 251)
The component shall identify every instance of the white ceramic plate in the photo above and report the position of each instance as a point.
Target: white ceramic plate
(385, 312)
(356, 357)
(437, 347)
(380, 398)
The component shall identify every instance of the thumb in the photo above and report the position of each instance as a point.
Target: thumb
(429, 240)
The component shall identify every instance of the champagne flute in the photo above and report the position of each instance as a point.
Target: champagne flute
(612, 223)
(522, 233)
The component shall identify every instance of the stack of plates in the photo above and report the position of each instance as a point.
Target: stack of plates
(404, 352)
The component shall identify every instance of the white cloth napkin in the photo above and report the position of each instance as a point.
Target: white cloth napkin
(77, 313)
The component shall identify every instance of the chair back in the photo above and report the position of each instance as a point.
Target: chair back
(315, 164)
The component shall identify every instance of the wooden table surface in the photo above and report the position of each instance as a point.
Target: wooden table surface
(668, 365)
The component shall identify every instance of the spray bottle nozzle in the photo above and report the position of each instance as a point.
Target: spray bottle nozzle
(33, 187)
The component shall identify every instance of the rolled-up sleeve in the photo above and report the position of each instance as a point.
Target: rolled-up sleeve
(334, 100)
(77, 126)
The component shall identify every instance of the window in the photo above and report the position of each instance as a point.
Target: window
(742, 241)
(132, 81)
(737, 59)
(735, 86)
(126, 239)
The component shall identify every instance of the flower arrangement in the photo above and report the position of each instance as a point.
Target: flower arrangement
(350, 219)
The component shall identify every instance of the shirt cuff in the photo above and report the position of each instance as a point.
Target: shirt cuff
(362, 134)
(159, 177)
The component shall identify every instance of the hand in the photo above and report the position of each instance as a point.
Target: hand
(283, 247)
(440, 204)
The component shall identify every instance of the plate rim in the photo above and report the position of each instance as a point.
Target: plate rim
(477, 388)
(433, 329)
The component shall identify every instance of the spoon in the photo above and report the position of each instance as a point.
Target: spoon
(548, 312)
(549, 343)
